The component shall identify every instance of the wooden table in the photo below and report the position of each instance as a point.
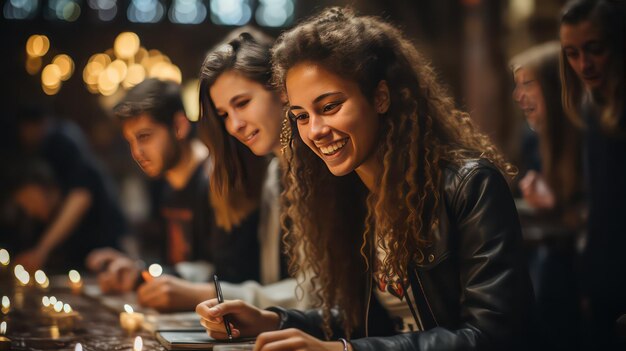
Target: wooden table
(97, 329)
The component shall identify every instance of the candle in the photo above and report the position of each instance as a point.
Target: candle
(63, 316)
(155, 270)
(78, 347)
(6, 305)
(5, 343)
(47, 306)
(42, 279)
(76, 284)
(5, 258)
(22, 275)
(138, 346)
(130, 320)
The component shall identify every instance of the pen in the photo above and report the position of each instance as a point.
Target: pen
(220, 299)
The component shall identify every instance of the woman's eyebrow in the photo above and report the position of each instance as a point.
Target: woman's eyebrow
(317, 99)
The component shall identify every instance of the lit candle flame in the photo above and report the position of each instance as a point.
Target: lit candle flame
(3, 328)
(74, 276)
(6, 303)
(155, 270)
(53, 300)
(128, 308)
(58, 306)
(23, 276)
(67, 308)
(40, 277)
(78, 347)
(138, 344)
(18, 269)
(5, 258)
(45, 301)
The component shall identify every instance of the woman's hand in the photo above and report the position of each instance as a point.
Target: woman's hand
(120, 276)
(245, 320)
(536, 191)
(294, 339)
(168, 293)
(98, 260)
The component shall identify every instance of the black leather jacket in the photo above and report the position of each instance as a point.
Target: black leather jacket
(471, 291)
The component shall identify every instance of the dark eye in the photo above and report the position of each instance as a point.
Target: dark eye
(330, 106)
(298, 117)
(571, 54)
(143, 137)
(242, 103)
(528, 82)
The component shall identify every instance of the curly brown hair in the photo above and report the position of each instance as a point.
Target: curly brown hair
(421, 132)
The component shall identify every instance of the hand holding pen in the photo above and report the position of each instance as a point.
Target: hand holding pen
(220, 299)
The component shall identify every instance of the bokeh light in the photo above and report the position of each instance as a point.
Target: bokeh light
(231, 12)
(37, 45)
(126, 45)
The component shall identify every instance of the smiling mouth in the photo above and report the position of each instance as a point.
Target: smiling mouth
(333, 148)
(251, 135)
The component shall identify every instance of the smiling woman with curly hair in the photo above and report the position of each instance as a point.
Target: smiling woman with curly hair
(395, 202)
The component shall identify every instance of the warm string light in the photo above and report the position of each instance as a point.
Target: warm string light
(53, 74)
(126, 65)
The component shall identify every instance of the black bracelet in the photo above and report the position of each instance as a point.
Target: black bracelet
(345, 344)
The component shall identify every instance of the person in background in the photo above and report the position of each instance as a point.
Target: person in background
(394, 203)
(556, 191)
(85, 193)
(241, 116)
(557, 186)
(162, 142)
(592, 75)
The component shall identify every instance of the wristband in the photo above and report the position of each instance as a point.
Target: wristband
(345, 344)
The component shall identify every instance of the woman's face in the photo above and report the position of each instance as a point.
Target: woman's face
(529, 97)
(334, 118)
(251, 113)
(587, 52)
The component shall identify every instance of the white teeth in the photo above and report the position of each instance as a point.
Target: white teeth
(252, 135)
(334, 147)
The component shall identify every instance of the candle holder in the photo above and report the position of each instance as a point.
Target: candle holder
(76, 283)
(5, 343)
(131, 321)
(61, 316)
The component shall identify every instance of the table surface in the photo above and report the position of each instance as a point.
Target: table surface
(97, 329)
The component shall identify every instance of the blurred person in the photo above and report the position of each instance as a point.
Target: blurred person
(592, 75)
(37, 192)
(556, 190)
(394, 202)
(163, 144)
(88, 194)
(557, 186)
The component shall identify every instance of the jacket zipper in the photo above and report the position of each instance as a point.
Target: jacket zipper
(414, 310)
(419, 281)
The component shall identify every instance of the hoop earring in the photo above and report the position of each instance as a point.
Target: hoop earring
(285, 133)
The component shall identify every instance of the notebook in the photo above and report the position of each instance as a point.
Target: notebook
(196, 340)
